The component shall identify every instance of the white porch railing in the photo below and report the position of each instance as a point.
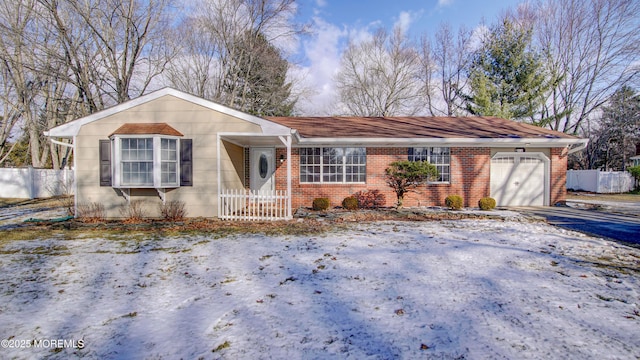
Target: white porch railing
(242, 204)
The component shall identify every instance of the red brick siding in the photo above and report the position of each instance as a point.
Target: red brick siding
(558, 176)
(470, 169)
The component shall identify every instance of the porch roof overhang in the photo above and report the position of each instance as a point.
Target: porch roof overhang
(257, 139)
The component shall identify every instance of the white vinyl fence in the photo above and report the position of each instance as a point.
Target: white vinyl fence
(236, 204)
(604, 182)
(30, 183)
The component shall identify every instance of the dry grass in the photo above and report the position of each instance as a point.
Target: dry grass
(33, 203)
(635, 198)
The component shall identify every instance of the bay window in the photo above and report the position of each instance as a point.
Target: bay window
(148, 155)
(146, 162)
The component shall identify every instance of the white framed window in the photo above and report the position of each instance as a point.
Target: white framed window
(169, 162)
(136, 162)
(146, 161)
(333, 165)
(440, 157)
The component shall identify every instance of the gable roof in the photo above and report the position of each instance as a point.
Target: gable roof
(147, 129)
(71, 129)
(477, 127)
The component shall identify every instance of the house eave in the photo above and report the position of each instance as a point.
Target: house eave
(457, 142)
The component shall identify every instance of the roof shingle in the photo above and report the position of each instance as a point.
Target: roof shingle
(147, 129)
(415, 127)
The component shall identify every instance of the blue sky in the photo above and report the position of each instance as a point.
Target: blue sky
(334, 22)
(426, 15)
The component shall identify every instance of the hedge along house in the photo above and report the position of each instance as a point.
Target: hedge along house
(169, 145)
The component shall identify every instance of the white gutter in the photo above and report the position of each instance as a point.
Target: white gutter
(60, 142)
(459, 142)
(581, 145)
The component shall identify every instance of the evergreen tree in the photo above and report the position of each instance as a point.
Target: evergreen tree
(619, 130)
(506, 77)
(256, 83)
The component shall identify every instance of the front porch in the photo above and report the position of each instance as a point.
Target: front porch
(247, 188)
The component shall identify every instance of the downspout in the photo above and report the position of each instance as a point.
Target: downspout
(581, 145)
(72, 145)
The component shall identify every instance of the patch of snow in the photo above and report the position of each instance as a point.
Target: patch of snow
(12, 216)
(442, 289)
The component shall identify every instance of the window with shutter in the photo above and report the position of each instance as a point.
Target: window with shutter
(105, 162)
(146, 162)
(186, 162)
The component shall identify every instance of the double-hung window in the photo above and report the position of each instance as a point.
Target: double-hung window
(333, 165)
(146, 162)
(440, 157)
(169, 161)
(152, 155)
(136, 161)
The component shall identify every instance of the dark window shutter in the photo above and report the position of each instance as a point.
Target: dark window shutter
(186, 162)
(105, 162)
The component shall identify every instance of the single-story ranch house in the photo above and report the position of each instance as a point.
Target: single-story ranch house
(169, 145)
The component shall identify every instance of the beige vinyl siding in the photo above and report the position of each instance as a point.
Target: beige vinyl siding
(192, 120)
(232, 163)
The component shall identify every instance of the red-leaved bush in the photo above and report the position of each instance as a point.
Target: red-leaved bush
(370, 199)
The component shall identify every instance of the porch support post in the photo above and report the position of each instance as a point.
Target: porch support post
(286, 140)
(218, 162)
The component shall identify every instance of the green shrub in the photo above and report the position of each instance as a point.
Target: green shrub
(350, 203)
(370, 199)
(405, 176)
(453, 202)
(635, 172)
(487, 203)
(321, 204)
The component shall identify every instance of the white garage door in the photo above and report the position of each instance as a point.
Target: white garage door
(518, 180)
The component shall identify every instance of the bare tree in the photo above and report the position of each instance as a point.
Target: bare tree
(222, 33)
(444, 66)
(64, 59)
(196, 69)
(113, 47)
(380, 77)
(591, 50)
(22, 33)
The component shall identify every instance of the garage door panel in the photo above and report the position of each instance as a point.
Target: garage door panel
(517, 181)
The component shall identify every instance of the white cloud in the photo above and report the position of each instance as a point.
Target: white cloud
(405, 19)
(321, 3)
(443, 3)
(323, 51)
(478, 34)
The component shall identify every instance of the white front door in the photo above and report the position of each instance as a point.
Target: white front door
(263, 168)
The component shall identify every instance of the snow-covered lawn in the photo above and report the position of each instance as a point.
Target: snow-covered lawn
(466, 289)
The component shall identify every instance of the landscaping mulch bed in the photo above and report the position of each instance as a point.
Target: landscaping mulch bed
(304, 222)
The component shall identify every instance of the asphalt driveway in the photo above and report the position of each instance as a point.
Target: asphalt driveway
(622, 227)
